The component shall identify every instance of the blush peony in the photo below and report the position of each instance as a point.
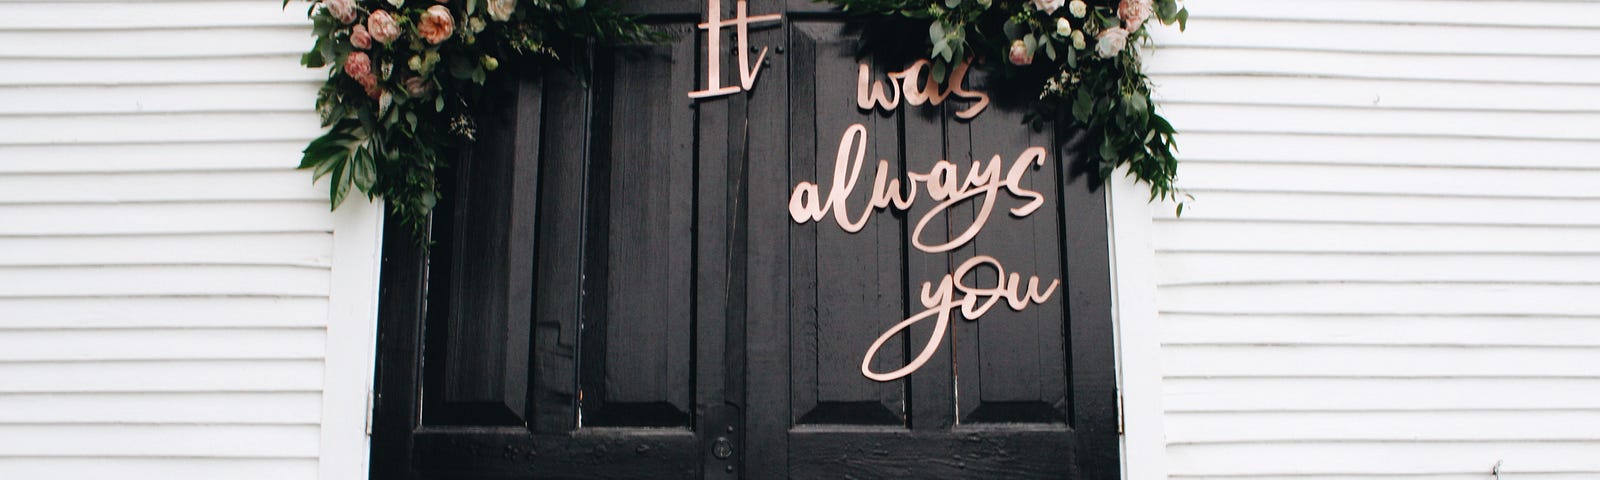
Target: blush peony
(436, 24)
(1134, 13)
(1110, 42)
(342, 10)
(360, 38)
(382, 27)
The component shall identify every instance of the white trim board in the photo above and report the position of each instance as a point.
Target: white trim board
(351, 339)
(1138, 335)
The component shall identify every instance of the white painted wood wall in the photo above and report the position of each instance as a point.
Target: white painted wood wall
(165, 273)
(1390, 272)
(1392, 268)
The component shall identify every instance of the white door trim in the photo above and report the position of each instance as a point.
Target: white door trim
(351, 339)
(1138, 333)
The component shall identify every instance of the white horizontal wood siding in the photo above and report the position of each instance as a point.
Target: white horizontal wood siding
(1392, 266)
(165, 273)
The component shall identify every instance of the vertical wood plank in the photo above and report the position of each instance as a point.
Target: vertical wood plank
(1088, 285)
(646, 169)
(718, 307)
(486, 349)
(396, 388)
(933, 386)
(760, 143)
(858, 287)
(560, 241)
(1021, 358)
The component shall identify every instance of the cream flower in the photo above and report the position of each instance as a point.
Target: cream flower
(1063, 27)
(1048, 6)
(1078, 8)
(1110, 42)
(1077, 40)
(501, 10)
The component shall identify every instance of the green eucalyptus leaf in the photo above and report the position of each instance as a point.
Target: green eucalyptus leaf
(952, 3)
(1082, 107)
(1012, 29)
(1167, 11)
(338, 185)
(312, 59)
(366, 171)
(1108, 150)
(1107, 20)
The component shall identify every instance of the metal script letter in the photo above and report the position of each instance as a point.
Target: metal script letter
(741, 22)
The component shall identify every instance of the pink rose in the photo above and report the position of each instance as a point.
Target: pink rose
(358, 65)
(1110, 42)
(436, 24)
(360, 38)
(382, 27)
(415, 86)
(343, 10)
(1048, 6)
(1019, 53)
(1134, 13)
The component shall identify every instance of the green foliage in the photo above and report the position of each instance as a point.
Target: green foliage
(394, 124)
(1108, 97)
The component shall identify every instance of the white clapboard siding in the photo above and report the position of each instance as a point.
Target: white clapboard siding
(1391, 265)
(164, 270)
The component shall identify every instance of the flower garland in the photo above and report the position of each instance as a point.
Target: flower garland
(404, 75)
(1087, 53)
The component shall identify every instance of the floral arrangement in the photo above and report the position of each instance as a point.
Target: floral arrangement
(404, 76)
(1086, 52)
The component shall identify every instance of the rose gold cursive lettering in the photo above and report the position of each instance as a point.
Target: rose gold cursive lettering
(741, 22)
(905, 83)
(973, 302)
(942, 181)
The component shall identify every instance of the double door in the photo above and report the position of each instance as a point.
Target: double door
(617, 287)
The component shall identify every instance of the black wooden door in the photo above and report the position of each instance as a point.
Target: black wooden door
(617, 289)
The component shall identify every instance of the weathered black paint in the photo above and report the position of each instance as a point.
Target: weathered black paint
(614, 241)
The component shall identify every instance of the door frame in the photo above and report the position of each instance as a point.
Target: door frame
(1095, 349)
